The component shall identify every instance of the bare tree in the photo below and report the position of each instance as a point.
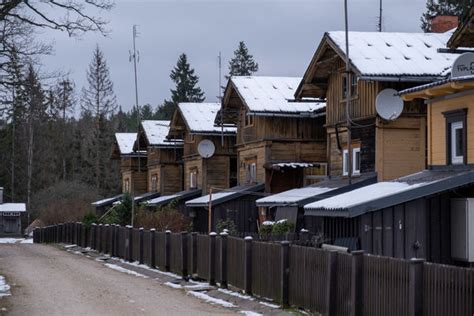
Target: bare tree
(72, 16)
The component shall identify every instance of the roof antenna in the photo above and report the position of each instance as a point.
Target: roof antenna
(379, 26)
(219, 58)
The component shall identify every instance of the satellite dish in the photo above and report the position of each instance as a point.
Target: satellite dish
(463, 66)
(206, 148)
(389, 105)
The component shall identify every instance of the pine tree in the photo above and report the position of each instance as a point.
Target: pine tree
(187, 89)
(444, 7)
(99, 100)
(242, 64)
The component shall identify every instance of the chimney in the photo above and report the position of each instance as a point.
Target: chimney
(444, 23)
(1, 195)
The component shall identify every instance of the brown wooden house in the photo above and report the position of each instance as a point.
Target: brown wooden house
(194, 124)
(164, 157)
(133, 164)
(378, 60)
(279, 142)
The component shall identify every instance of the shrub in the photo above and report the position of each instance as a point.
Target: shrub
(89, 219)
(227, 225)
(282, 227)
(164, 218)
(266, 228)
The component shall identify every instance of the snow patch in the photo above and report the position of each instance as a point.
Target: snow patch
(211, 300)
(236, 294)
(250, 313)
(26, 241)
(173, 285)
(10, 240)
(4, 287)
(121, 269)
(269, 305)
(70, 246)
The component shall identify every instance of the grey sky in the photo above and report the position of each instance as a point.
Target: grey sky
(281, 34)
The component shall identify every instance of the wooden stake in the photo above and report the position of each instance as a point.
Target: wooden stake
(210, 209)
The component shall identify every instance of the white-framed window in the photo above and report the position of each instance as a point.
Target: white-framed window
(251, 170)
(154, 183)
(248, 120)
(193, 179)
(356, 161)
(457, 143)
(345, 162)
(126, 185)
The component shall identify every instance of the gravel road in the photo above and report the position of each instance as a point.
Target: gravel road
(45, 280)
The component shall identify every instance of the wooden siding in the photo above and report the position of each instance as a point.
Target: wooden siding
(154, 171)
(255, 153)
(437, 128)
(171, 179)
(192, 164)
(400, 147)
(137, 180)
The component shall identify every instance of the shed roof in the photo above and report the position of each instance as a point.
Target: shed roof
(165, 199)
(273, 95)
(107, 201)
(226, 195)
(199, 118)
(386, 194)
(156, 132)
(12, 207)
(125, 142)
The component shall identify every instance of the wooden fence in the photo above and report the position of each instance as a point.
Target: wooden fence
(325, 282)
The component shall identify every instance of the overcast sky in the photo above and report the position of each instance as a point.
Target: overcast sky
(281, 34)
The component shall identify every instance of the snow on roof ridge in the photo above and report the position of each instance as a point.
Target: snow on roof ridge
(156, 131)
(200, 117)
(125, 142)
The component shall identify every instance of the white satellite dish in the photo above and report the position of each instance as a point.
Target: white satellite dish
(389, 105)
(206, 148)
(463, 66)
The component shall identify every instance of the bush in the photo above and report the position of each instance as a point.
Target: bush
(266, 228)
(89, 219)
(164, 218)
(282, 227)
(227, 225)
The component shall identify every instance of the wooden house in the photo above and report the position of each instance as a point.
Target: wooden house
(10, 217)
(194, 124)
(378, 60)
(280, 142)
(133, 164)
(164, 157)
(427, 214)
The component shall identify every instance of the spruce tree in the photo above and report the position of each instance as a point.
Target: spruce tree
(458, 8)
(99, 100)
(242, 64)
(187, 89)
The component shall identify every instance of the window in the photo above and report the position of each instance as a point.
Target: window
(154, 183)
(456, 137)
(353, 81)
(251, 172)
(126, 185)
(193, 179)
(248, 120)
(353, 85)
(355, 161)
(457, 143)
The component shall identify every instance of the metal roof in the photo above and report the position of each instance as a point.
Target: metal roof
(165, 199)
(226, 195)
(436, 84)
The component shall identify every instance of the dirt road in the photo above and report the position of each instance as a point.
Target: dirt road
(45, 280)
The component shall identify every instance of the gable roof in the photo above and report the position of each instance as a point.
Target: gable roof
(386, 194)
(156, 132)
(125, 142)
(199, 118)
(383, 56)
(272, 96)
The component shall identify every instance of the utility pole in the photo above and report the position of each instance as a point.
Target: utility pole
(348, 98)
(220, 98)
(133, 56)
(380, 17)
(13, 147)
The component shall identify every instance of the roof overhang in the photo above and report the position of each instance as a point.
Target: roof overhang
(239, 192)
(166, 199)
(440, 88)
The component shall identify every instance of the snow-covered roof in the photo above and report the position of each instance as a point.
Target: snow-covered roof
(293, 196)
(165, 199)
(227, 195)
(12, 207)
(125, 142)
(386, 194)
(200, 117)
(273, 95)
(156, 132)
(397, 54)
(107, 201)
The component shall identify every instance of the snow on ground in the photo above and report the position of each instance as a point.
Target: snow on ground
(173, 285)
(27, 241)
(210, 299)
(250, 313)
(236, 294)
(70, 246)
(9, 240)
(4, 287)
(269, 305)
(120, 269)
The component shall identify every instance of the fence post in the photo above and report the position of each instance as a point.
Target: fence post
(212, 258)
(331, 290)
(140, 244)
(167, 250)
(248, 265)
(100, 238)
(415, 288)
(357, 287)
(117, 240)
(108, 237)
(193, 253)
(152, 245)
(285, 273)
(223, 261)
(63, 233)
(184, 254)
(130, 244)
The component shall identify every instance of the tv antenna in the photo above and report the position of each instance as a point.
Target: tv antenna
(219, 97)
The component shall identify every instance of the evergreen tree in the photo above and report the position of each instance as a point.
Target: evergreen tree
(242, 64)
(99, 100)
(444, 7)
(187, 89)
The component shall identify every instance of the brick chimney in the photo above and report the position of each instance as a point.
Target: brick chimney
(444, 23)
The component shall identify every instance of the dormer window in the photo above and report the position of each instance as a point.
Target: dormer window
(456, 137)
